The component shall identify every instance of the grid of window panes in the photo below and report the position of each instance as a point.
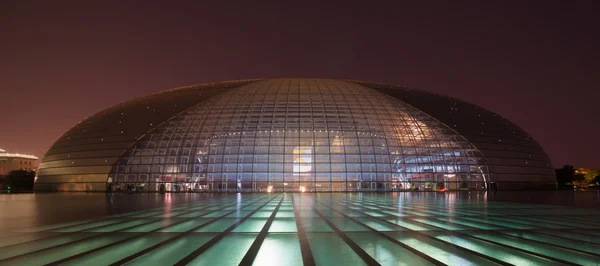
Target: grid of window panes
(515, 158)
(301, 135)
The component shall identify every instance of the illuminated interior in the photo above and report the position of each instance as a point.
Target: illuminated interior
(301, 135)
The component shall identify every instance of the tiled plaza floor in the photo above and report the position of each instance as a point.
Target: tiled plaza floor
(321, 229)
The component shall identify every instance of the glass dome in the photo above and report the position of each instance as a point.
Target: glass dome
(301, 135)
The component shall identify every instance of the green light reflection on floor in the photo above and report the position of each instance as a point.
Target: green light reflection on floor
(391, 228)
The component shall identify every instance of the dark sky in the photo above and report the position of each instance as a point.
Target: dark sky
(534, 62)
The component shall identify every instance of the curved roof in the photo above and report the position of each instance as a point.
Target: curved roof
(83, 157)
(84, 154)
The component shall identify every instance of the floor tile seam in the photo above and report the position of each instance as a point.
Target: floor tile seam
(520, 222)
(419, 210)
(545, 243)
(307, 256)
(393, 240)
(565, 216)
(181, 214)
(530, 213)
(559, 217)
(460, 222)
(93, 228)
(142, 211)
(596, 245)
(411, 219)
(49, 234)
(415, 208)
(475, 229)
(182, 234)
(94, 234)
(579, 233)
(480, 255)
(355, 247)
(424, 216)
(197, 252)
(59, 226)
(100, 226)
(126, 216)
(514, 248)
(253, 250)
(553, 223)
(448, 215)
(560, 221)
(141, 234)
(492, 221)
(495, 243)
(457, 232)
(482, 212)
(522, 238)
(482, 221)
(97, 219)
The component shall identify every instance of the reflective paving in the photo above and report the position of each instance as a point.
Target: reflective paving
(321, 229)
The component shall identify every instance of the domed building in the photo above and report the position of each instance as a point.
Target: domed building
(294, 135)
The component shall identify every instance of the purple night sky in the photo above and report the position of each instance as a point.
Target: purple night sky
(536, 63)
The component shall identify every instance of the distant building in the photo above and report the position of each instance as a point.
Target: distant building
(15, 161)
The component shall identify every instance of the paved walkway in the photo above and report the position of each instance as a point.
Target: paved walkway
(321, 229)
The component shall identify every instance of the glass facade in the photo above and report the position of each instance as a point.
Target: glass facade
(81, 159)
(515, 158)
(301, 135)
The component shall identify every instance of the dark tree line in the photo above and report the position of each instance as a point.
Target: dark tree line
(569, 175)
(18, 180)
